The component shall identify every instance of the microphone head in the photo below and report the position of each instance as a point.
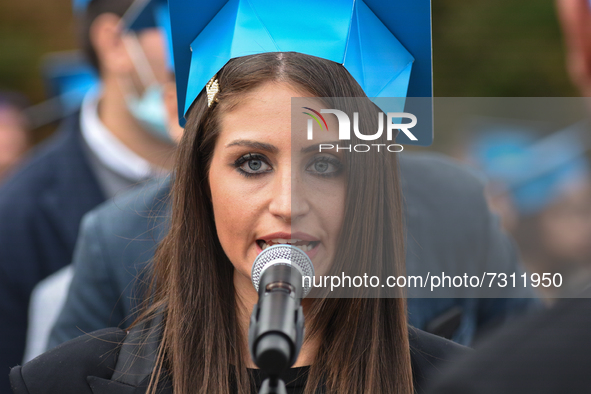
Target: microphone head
(283, 255)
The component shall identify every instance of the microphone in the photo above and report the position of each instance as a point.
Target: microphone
(276, 329)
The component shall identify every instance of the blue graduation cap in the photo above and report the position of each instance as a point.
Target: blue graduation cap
(534, 171)
(498, 149)
(68, 76)
(386, 46)
(554, 163)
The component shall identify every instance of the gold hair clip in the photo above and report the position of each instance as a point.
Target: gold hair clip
(212, 88)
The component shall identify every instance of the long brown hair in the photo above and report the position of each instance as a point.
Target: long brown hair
(364, 347)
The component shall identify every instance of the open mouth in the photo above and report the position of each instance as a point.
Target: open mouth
(305, 246)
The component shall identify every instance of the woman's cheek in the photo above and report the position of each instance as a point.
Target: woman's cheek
(235, 218)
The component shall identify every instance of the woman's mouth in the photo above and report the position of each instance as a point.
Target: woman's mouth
(305, 246)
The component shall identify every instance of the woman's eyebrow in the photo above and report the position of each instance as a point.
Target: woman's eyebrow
(254, 145)
(316, 147)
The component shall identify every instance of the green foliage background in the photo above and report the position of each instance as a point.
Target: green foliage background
(498, 48)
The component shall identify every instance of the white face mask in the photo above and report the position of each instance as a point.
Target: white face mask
(148, 108)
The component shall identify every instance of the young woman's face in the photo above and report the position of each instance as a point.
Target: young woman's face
(270, 185)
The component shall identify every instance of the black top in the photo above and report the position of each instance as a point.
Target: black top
(85, 365)
(295, 379)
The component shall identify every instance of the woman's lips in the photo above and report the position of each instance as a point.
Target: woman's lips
(289, 236)
(305, 242)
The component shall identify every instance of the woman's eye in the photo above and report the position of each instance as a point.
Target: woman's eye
(325, 166)
(254, 165)
(251, 164)
(321, 166)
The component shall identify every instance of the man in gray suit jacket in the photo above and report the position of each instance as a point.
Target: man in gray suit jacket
(448, 228)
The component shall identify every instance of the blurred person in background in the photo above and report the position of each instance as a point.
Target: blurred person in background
(118, 140)
(541, 188)
(49, 295)
(549, 352)
(14, 131)
(554, 232)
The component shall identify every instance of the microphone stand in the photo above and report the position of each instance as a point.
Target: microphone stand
(276, 327)
(273, 386)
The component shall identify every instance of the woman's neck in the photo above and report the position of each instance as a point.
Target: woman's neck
(246, 298)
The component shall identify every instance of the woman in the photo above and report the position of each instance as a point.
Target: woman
(244, 180)
(234, 186)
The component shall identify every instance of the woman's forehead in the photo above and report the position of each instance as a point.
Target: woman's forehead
(272, 111)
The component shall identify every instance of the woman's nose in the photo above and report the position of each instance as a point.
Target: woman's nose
(288, 201)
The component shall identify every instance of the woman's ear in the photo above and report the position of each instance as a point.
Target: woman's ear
(575, 18)
(107, 40)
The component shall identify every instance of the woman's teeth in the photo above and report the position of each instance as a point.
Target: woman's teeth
(304, 246)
